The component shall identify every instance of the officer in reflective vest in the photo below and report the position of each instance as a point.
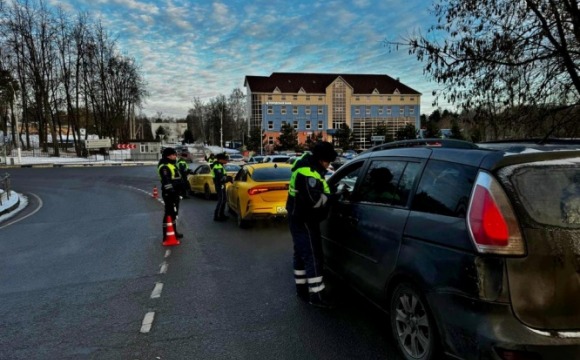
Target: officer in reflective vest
(170, 185)
(307, 205)
(210, 160)
(220, 179)
(183, 168)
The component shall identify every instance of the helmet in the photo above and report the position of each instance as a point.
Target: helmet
(324, 150)
(169, 151)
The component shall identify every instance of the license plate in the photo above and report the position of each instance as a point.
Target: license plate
(280, 210)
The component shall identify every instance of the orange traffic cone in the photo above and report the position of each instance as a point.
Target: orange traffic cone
(170, 238)
(155, 193)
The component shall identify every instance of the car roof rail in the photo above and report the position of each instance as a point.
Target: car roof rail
(434, 142)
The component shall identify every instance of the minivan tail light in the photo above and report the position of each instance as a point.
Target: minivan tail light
(491, 220)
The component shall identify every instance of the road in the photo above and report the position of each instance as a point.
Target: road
(80, 274)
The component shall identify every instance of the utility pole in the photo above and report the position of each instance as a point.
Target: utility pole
(222, 129)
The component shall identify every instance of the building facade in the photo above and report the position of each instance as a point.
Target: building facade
(320, 103)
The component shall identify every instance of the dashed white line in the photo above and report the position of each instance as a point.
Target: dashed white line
(147, 322)
(163, 269)
(157, 290)
(167, 253)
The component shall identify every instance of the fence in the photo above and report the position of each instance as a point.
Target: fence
(5, 191)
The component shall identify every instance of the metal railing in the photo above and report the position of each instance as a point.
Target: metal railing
(5, 186)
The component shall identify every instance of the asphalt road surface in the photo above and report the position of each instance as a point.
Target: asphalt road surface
(83, 275)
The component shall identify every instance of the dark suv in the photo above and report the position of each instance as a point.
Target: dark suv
(472, 252)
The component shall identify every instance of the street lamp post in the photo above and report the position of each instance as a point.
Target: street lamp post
(222, 129)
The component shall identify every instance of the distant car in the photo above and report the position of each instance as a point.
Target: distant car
(259, 191)
(472, 252)
(236, 158)
(255, 159)
(276, 158)
(201, 181)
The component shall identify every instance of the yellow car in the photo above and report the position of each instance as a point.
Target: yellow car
(259, 191)
(201, 181)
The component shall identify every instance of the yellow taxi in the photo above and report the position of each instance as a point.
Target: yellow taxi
(201, 181)
(259, 191)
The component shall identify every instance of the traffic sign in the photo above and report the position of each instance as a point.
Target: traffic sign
(97, 143)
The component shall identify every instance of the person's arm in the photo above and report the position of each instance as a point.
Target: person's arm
(310, 191)
(166, 180)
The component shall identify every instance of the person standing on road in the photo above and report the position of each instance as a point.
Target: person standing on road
(307, 205)
(170, 185)
(210, 160)
(183, 171)
(220, 179)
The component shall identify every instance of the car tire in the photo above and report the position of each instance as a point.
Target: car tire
(206, 192)
(242, 224)
(412, 324)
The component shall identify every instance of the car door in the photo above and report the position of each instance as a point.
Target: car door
(198, 178)
(234, 190)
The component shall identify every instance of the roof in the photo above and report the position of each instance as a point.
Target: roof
(316, 83)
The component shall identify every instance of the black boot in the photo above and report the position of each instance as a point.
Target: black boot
(320, 299)
(302, 292)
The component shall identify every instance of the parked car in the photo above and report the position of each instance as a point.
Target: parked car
(237, 158)
(259, 191)
(255, 159)
(201, 180)
(472, 252)
(276, 158)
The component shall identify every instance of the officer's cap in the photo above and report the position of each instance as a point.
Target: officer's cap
(323, 150)
(169, 151)
(221, 156)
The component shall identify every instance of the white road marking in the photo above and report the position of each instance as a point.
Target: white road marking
(147, 322)
(163, 269)
(167, 253)
(157, 290)
(24, 217)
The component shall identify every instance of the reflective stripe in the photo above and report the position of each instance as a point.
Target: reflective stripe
(315, 289)
(300, 281)
(321, 201)
(299, 272)
(315, 280)
(172, 168)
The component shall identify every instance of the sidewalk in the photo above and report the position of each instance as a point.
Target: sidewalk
(8, 204)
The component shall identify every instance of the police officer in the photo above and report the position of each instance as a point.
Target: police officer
(211, 160)
(307, 205)
(170, 185)
(183, 168)
(220, 179)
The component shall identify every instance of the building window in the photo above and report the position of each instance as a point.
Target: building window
(380, 111)
(402, 111)
(308, 124)
(320, 125)
(294, 110)
(357, 110)
(270, 125)
(294, 97)
(283, 97)
(411, 98)
(320, 110)
(388, 110)
(368, 110)
(402, 98)
(283, 110)
(412, 111)
(295, 124)
(269, 97)
(388, 98)
(357, 98)
(270, 110)
(307, 97)
(270, 140)
(320, 98)
(307, 111)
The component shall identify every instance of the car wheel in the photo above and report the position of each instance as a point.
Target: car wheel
(242, 224)
(412, 324)
(206, 192)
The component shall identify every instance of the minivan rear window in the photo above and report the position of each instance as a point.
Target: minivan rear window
(549, 194)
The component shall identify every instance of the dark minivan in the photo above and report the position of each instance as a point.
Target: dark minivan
(474, 253)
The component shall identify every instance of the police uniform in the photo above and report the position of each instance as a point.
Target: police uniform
(307, 205)
(170, 185)
(183, 168)
(220, 179)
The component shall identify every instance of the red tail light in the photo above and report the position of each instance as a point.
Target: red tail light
(262, 189)
(491, 220)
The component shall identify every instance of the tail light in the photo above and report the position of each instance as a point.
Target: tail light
(262, 189)
(491, 220)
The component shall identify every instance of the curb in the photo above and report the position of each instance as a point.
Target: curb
(15, 206)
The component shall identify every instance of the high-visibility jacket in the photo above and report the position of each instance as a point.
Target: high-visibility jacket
(168, 179)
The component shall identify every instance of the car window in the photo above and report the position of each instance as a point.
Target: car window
(231, 168)
(240, 175)
(445, 189)
(388, 182)
(204, 169)
(277, 173)
(345, 180)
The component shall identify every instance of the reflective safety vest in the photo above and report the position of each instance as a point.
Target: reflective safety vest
(306, 171)
(182, 165)
(217, 167)
(174, 173)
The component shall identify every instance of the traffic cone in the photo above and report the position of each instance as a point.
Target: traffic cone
(170, 238)
(155, 193)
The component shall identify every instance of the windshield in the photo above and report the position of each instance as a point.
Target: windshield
(272, 174)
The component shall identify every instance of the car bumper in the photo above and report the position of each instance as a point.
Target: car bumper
(469, 327)
(266, 211)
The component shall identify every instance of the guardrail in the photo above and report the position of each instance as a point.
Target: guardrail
(5, 186)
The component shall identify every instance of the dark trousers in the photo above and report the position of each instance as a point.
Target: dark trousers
(308, 256)
(220, 207)
(171, 202)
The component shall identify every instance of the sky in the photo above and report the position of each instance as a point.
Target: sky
(204, 48)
